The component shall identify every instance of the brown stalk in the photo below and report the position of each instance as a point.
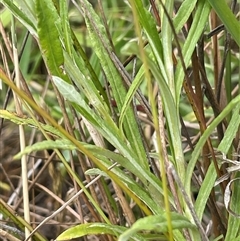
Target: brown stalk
(155, 12)
(216, 58)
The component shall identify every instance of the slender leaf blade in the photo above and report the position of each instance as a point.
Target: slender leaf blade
(156, 223)
(25, 19)
(234, 222)
(49, 38)
(227, 17)
(203, 139)
(93, 228)
(231, 131)
(201, 15)
(205, 190)
(103, 50)
(150, 29)
(183, 14)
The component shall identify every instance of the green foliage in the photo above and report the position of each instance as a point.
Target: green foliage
(48, 27)
(227, 17)
(156, 223)
(123, 121)
(94, 228)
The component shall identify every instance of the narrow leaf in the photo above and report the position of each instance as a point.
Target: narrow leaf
(150, 29)
(233, 221)
(47, 144)
(49, 39)
(156, 223)
(130, 94)
(93, 228)
(183, 14)
(18, 220)
(24, 120)
(205, 191)
(199, 21)
(231, 131)
(25, 19)
(103, 50)
(203, 139)
(227, 17)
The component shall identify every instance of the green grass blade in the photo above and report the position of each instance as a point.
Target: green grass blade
(171, 114)
(18, 220)
(70, 93)
(234, 222)
(227, 17)
(205, 190)
(231, 131)
(113, 135)
(89, 70)
(183, 14)
(63, 13)
(201, 15)
(102, 48)
(46, 144)
(49, 39)
(167, 46)
(204, 138)
(86, 86)
(156, 223)
(130, 94)
(94, 228)
(151, 32)
(28, 20)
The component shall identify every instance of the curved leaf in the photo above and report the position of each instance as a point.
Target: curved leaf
(47, 144)
(156, 223)
(94, 228)
(24, 120)
(130, 94)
